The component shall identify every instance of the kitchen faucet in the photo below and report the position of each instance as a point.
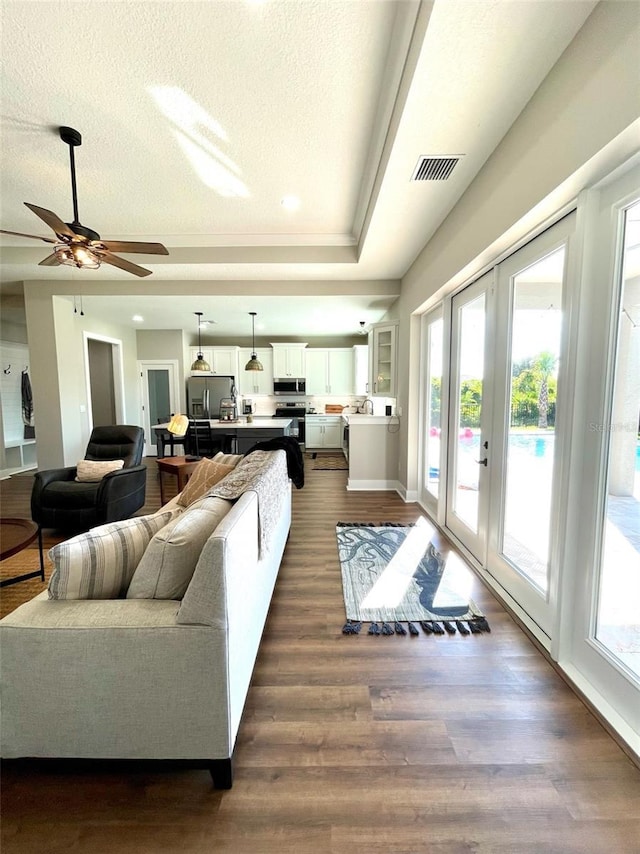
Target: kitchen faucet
(363, 406)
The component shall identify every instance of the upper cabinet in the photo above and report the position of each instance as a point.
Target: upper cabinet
(383, 340)
(223, 360)
(255, 382)
(330, 371)
(361, 369)
(289, 360)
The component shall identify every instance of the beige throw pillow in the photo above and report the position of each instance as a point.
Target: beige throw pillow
(170, 559)
(91, 471)
(205, 475)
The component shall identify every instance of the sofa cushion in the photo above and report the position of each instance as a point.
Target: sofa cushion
(170, 559)
(100, 563)
(90, 471)
(205, 475)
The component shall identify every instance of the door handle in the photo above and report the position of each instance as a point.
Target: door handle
(483, 462)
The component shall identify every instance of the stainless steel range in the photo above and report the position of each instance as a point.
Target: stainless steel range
(295, 411)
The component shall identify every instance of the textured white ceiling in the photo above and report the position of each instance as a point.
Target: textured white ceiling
(198, 117)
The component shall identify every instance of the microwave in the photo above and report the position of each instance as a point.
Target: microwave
(289, 385)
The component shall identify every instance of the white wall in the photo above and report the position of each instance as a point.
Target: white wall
(58, 374)
(581, 122)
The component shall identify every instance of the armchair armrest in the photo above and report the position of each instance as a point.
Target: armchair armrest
(121, 493)
(43, 479)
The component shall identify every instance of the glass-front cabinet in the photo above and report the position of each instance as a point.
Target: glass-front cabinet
(383, 346)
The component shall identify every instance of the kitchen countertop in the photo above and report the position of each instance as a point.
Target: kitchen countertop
(358, 419)
(259, 422)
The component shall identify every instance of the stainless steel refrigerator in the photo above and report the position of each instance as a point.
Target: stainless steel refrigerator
(205, 393)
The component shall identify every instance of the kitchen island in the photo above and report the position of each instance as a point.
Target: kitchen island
(242, 433)
(371, 447)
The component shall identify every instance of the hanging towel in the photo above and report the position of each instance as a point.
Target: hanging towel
(27, 406)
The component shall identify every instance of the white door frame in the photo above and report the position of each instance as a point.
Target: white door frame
(144, 366)
(589, 665)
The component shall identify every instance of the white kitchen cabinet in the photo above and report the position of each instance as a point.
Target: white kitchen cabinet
(323, 431)
(223, 360)
(361, 369)
(289, 360)
(383, 339)
(255, 382)
(329, 371)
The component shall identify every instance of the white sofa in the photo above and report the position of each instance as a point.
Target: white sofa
(146, 678)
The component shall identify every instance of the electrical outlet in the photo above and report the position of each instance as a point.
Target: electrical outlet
(399, 411)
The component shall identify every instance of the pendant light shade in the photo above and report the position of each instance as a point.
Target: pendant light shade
(200, 364)
(253, 364)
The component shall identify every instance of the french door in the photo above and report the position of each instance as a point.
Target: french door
(467, 503)
(505, 399)
(160, 397)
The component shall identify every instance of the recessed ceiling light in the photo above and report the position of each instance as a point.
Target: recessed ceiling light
(290, 203)
(137, 318)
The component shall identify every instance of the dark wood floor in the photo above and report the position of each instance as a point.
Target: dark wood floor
(366, 744)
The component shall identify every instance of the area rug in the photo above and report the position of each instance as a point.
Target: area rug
(17, 594)
(328, 462)
(395, 579)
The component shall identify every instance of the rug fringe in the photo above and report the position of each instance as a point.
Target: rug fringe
(375, 524)
(351, 628)
(430, 627)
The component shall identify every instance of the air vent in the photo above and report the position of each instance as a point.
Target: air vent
(434, 168)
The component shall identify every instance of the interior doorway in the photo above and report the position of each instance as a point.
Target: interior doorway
(105, 380)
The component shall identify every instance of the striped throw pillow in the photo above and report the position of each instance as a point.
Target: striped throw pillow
(100, 563)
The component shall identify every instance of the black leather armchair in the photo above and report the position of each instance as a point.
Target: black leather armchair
(59, 501)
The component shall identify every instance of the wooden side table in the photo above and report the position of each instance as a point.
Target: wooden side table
(15, 535)
(178, 466)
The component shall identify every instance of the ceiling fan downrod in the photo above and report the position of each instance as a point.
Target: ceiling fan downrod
(72, 138)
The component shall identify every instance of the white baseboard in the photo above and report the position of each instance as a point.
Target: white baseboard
(373, 485)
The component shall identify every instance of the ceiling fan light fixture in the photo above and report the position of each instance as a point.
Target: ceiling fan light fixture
(200, 363)
(253, 364)
(77, 256)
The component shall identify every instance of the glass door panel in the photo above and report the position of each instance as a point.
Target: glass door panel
(618, 603)
(467, 481)
(536, 319)
(435, 330)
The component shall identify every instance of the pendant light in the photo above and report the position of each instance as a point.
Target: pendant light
(200, 364)
(253, 364)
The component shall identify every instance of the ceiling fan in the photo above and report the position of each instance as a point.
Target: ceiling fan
(79, 246)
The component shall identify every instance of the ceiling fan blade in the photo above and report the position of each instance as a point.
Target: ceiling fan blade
(34, 236)
(108, 258)
(52, 220)
(50, 261)
(132, 246)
